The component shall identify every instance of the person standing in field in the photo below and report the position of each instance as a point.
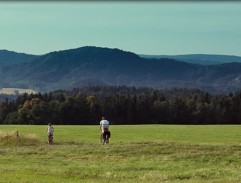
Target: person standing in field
(50, 131)
(104, 127)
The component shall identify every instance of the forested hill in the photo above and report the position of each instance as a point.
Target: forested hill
(8, 58)
(96, 66)
(122, 105)
(80, 67)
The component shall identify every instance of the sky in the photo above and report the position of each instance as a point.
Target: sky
(142, 27)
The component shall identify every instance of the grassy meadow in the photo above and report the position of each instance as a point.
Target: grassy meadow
(12, 91)
(141, 153)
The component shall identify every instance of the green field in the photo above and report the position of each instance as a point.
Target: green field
(142, 153)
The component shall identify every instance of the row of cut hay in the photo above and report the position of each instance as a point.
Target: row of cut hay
(16, 139)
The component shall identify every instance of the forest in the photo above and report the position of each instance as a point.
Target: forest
(122, 105)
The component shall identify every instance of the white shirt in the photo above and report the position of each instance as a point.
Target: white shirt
(104, 124)
(50, 130)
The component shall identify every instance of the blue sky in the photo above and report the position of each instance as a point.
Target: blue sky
(158, 28)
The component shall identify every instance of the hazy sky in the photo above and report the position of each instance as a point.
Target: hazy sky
(163, 27)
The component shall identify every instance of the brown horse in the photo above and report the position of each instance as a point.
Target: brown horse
(104, 137)
(50, 139)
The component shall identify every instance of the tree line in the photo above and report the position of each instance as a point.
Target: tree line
(122, 105)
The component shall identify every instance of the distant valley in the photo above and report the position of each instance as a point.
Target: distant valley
(76, 68)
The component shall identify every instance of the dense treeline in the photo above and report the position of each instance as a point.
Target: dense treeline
(9, 97)
(123, 105)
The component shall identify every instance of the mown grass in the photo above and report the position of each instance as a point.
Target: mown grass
(143, 153)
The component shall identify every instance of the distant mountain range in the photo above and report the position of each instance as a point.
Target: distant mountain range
(103, 66)
(203, 59)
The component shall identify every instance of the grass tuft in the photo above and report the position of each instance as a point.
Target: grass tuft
(16, 139)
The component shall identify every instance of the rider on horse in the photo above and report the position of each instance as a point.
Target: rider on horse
(104, 127)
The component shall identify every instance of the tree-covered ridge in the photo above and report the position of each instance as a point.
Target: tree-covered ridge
(8, 58)
(84, 66)
(123, 105)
